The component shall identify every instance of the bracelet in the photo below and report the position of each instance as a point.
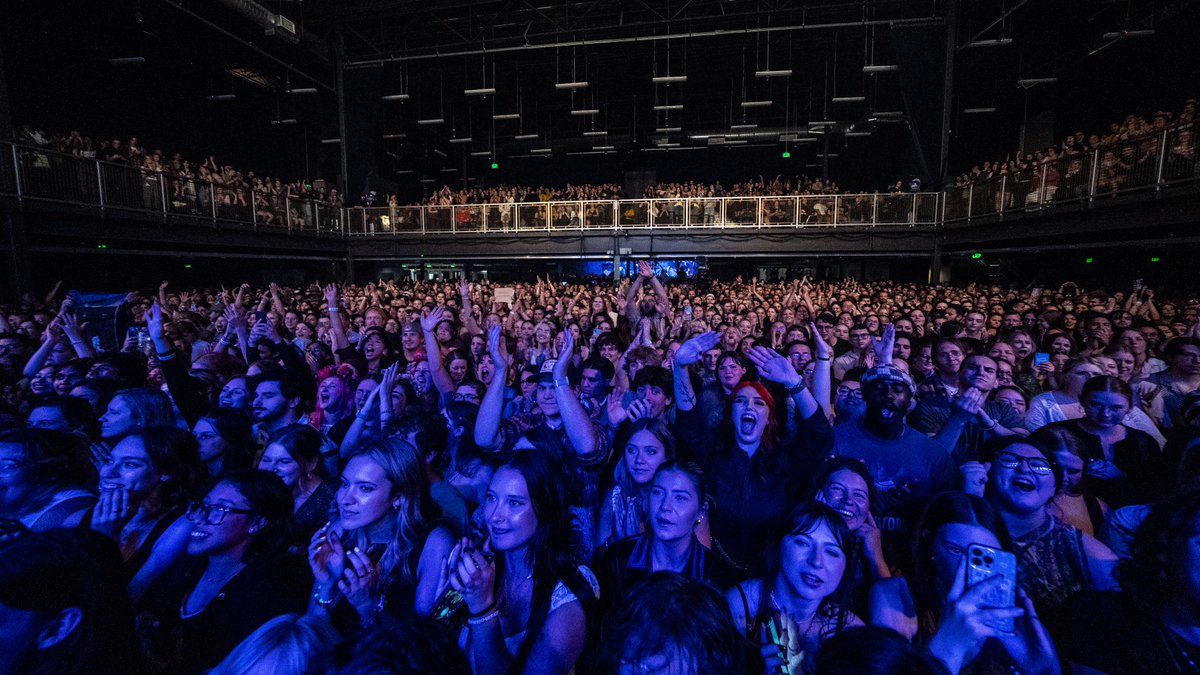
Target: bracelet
(333, 310)
(795, 388)
(827, 358)
(485, 618)
(321, 602)
(991, 426)
(561, 383)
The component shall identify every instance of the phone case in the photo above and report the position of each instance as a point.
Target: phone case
(984, 562)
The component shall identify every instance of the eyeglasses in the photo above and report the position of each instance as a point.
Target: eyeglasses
(211, 514)
(1038, 465)
(798, 355)
(847, 391)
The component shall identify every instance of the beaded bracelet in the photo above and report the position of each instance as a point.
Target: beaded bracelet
(485, 618)
(321, 602)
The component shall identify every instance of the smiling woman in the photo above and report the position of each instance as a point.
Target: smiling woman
(233, 579)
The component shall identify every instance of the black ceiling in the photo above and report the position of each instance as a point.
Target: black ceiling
(433, 51)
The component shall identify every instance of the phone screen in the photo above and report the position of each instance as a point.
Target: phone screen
(1040, 358)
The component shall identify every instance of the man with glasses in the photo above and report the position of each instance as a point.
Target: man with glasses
(848, 399)
(860, 355)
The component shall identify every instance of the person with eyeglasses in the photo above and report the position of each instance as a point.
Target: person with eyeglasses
(848, 399)
(1054, 559)
(935, 608)
(233, 578)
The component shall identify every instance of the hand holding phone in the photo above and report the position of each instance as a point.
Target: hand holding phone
(984, 562)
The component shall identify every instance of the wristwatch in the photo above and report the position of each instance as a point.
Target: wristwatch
(795, 388)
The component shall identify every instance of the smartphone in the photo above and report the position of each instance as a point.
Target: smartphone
(1040, 358)
(984, 562)
(687, 311)
(261, 316)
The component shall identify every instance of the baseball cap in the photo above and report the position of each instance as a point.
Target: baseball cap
(888, 374)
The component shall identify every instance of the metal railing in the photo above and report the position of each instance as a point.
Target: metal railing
(34, 174)
(1151, 163)
(787, 212)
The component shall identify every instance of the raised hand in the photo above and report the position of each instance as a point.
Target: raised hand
(331, 295)
(615, 406)
(691, 351)
(432, 318)
(772, 366)
(154, 322)
(965, 623)
(560, 364)
(498, 349)
(645, 270)
(883, 345)
(70, 325)
(824, 351)
(971, 402)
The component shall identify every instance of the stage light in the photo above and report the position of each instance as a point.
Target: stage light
(571, 85)
(767, 74)
(668, 79)
(396, 97)
(881, 69)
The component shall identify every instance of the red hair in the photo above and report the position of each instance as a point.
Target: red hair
(347, 381)
(770, 434)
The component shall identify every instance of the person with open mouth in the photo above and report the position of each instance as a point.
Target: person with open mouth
(1054, 559)
(756, 472)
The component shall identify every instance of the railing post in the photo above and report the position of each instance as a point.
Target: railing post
(1093, 175)
(970, 199)
(836, 204)
(875, 210)
(422, 220)
(162, 193)
(483, 220)
(1162, 160)
(212, 200)
(722, 216)
(287, 210)
(1003, 192)
(17, 176)
(650, 214)
(316, 217)
(254, 208)
(1042, 188)
(100, 183)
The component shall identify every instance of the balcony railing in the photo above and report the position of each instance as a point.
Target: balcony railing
(1147, 164)
(1152, 163)
(39, 175)
(707, 213)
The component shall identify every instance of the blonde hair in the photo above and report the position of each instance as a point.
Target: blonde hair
(292, 644)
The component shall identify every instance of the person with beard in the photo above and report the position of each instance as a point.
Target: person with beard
(908, 466)
(963, 423)
(278, 401)
(654, 308)
(756, 472)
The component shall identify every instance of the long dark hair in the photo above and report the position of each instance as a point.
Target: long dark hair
(174, 454)
(947, 508)
(235, 428)
(802, 519)
(548, 552)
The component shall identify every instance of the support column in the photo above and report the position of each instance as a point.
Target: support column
(937, 273)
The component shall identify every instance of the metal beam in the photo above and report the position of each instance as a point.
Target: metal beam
(637, 38)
